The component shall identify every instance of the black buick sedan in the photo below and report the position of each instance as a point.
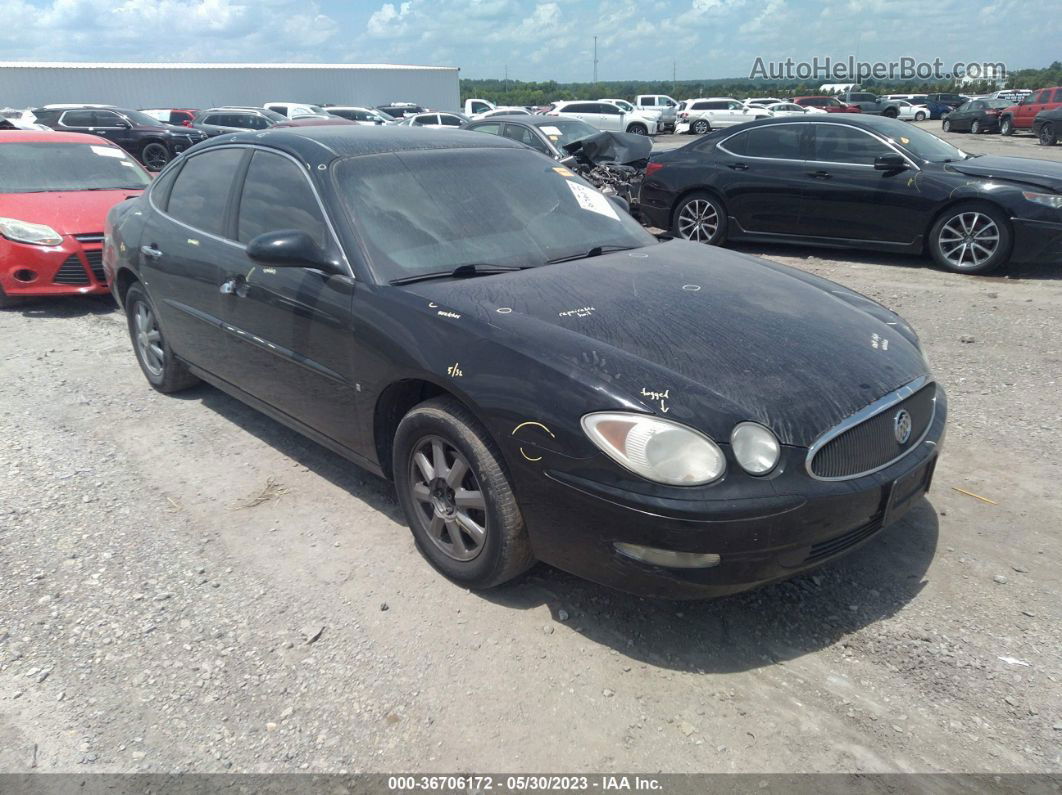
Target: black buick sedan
(541, 378)
(858, 182)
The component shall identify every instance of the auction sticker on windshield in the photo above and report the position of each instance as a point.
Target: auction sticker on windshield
(590, 199)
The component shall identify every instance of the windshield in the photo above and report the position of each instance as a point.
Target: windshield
(41, 167)
(564, 131)
(422, 212)
(924, 145)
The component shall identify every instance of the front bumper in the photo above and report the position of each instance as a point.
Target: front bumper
(575, 523)
(1037, 240)
(74, 267)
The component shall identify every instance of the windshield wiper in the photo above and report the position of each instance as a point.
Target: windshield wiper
(596, 251)
(461, 272)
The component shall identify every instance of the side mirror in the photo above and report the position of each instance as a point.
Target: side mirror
(890, 162)
(290, 248)
(570, 160)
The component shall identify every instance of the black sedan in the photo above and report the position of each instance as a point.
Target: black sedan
(858, 182)
(547, 134)
(976, 116)
(541, 377)
(1047, 126)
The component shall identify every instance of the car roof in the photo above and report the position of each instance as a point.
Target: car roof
(40, 136)
(882, 124)
(324, 143)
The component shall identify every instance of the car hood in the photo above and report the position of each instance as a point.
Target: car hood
(1046, 173)
(67, 212)
(727, 336)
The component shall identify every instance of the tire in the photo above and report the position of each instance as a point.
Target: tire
(700, 127)
(164, 371)
(155, 156)
(890, 113)
(638, 129)
(1047, 136)
(920, 116)
(502, 550)
(711, 228)
(946, 125)
(975, 127)
(973, 221)
(1006, 126)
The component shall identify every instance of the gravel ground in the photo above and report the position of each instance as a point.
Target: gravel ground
(188, 586)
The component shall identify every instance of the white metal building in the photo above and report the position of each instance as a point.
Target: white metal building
(25, 84)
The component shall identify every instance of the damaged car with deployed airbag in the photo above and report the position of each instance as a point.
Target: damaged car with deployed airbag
(541, 378)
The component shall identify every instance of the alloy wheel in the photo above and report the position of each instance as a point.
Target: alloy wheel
(155, 156)
(1047, 135)
(968, 240)
(946, 125)
(700, 127)
(149, 339)
(448, 500)
(698, 220)
(975, 127)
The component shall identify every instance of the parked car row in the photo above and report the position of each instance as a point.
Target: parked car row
(1036, 112)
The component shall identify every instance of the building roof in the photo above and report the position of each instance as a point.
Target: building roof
(149, 65)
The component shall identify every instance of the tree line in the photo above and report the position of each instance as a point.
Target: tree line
(518, 92)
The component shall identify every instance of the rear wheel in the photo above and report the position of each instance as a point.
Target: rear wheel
(975, 127)
(155, 156)
(1047, 135)
(1007, 126)
(638, 129)
(890, 113)
(701, 126)
(700, 217)
(971, 238)
(455, 492)
(161, 368)
(946, 125)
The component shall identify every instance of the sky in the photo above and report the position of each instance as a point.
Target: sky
(534, 39)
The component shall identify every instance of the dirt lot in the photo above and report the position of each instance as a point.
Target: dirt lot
(187, 586)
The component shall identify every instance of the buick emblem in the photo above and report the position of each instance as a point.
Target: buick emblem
(901, 426)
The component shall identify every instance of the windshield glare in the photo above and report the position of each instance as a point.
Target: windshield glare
(38, 167)
(925, 146)
(422, 212)
(143, 119)
(564, 131)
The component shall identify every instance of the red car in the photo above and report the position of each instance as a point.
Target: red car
(1020, 116)
(828, 104)
(55, 191)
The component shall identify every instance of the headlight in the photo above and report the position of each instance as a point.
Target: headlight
(25, 232)
(755, 448)
(1052, 200)
(657, 449)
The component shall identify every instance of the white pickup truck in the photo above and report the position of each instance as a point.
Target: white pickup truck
(666, 106)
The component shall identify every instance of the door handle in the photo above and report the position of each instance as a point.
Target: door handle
(739, 167)
(150, 251)
(820, 174)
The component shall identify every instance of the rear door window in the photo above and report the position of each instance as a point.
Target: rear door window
(200, 196)
(78, 118)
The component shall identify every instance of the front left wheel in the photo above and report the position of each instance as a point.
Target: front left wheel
(155, 156)
(455, 491)
(920, 116)
(163, 370)
(971, 238)
(638, 129)
(1047, 136)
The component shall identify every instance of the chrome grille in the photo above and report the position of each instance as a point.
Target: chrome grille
(72, 271)
(867, 441)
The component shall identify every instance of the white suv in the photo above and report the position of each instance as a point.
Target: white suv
(296, 110)
(713, 113)
(607, 116)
